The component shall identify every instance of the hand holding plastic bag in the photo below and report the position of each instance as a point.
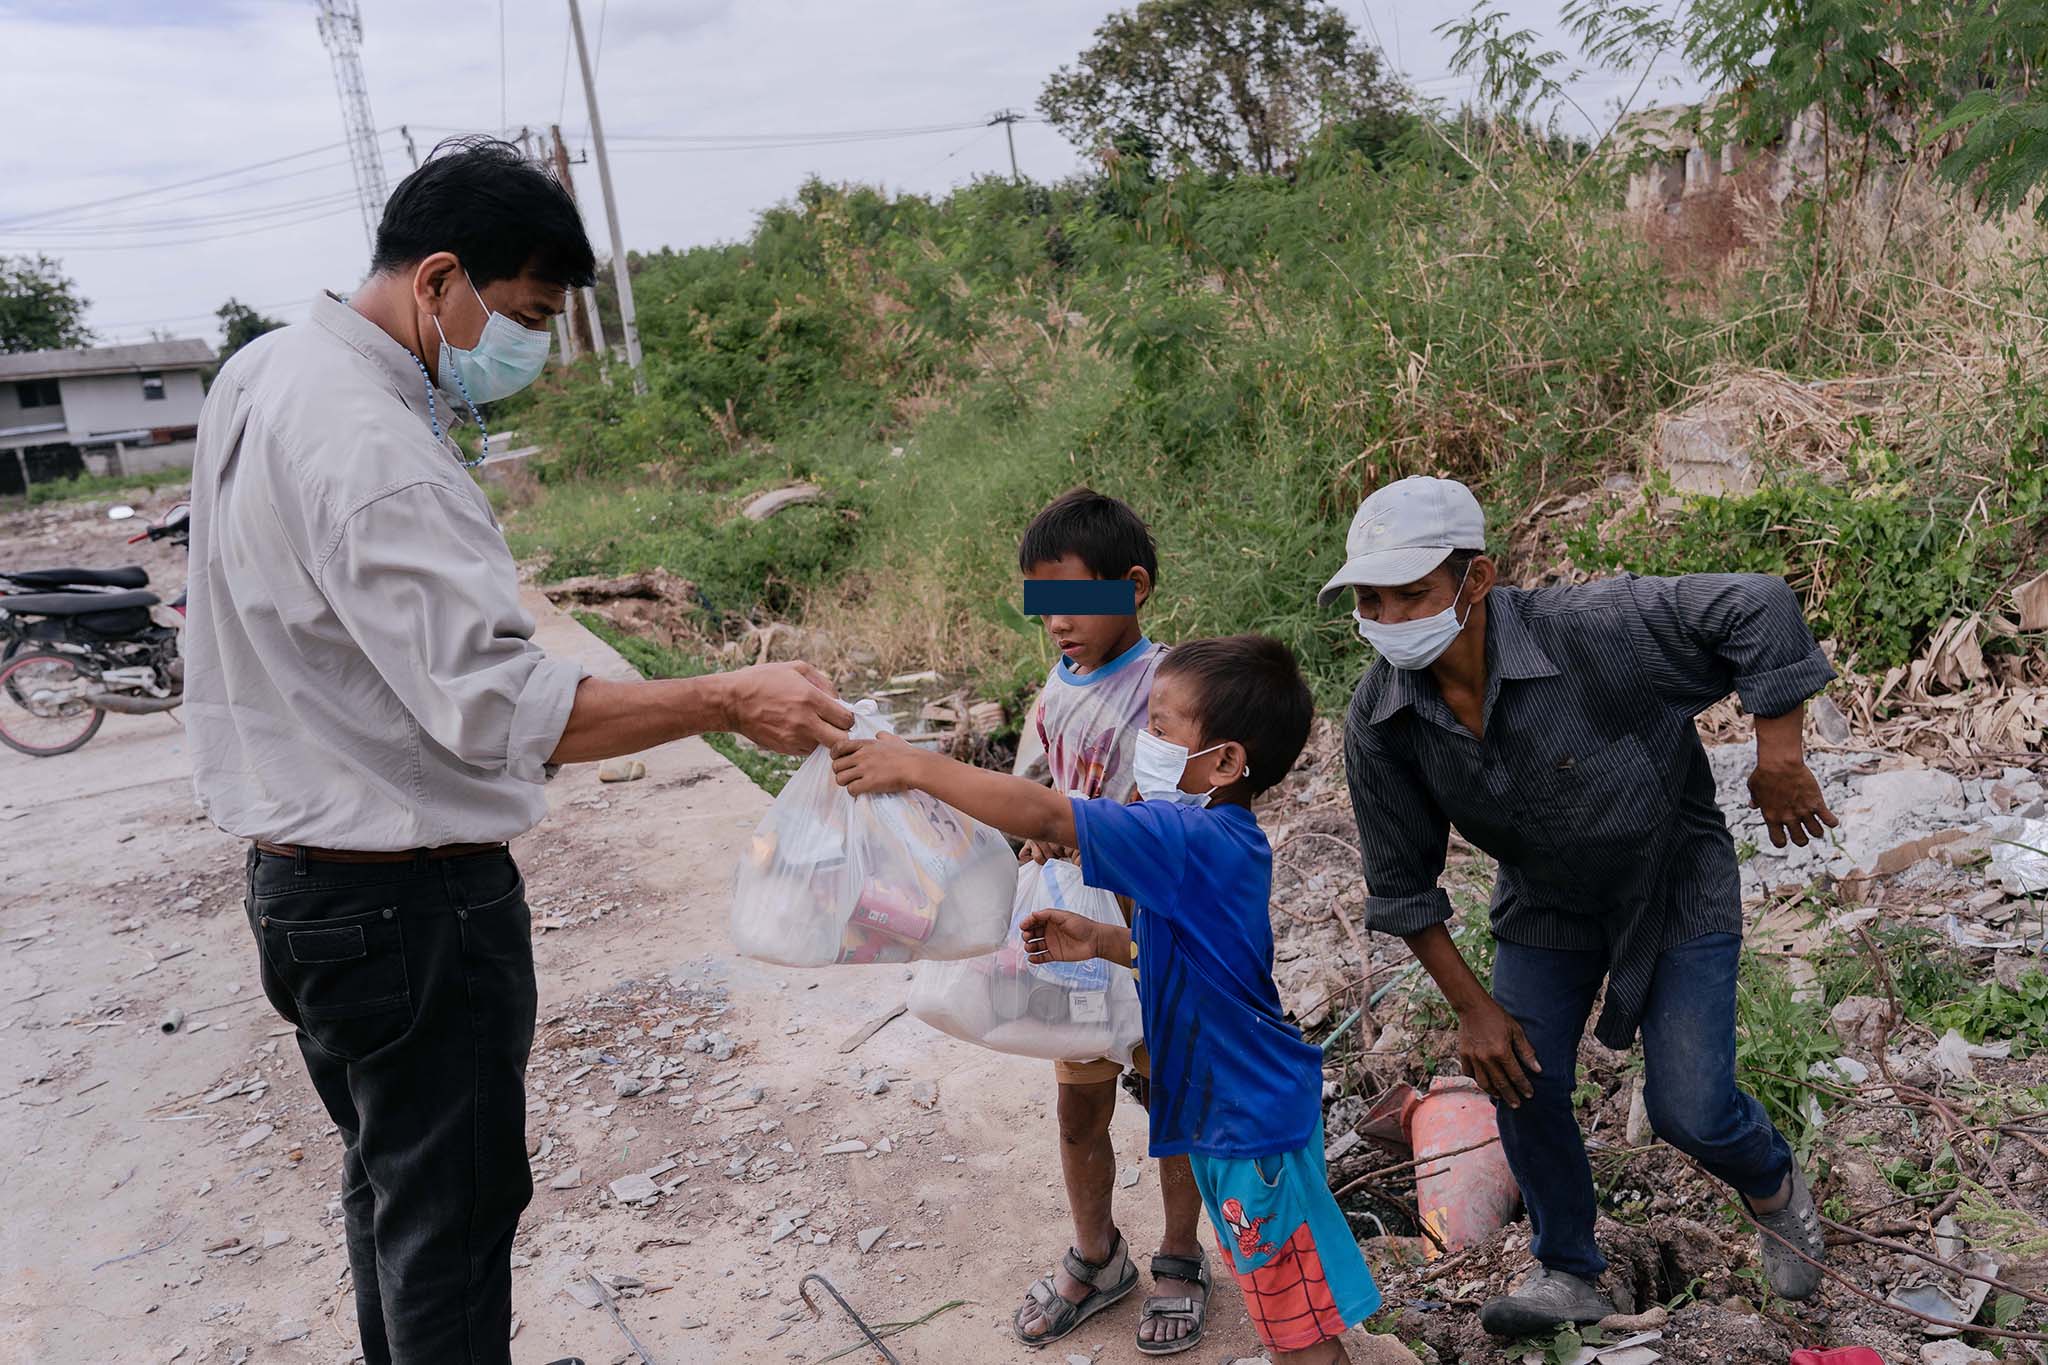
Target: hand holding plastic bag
(1064, 1011)
(831, 877)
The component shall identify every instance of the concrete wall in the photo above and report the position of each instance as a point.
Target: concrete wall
(113, 402)
(103, 460)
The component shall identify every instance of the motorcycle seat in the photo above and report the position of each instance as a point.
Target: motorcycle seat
(56, 580)
(74, 603)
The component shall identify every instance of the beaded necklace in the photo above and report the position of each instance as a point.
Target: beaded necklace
(434, 417)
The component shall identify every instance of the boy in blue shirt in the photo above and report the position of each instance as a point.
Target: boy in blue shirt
(1234, 1085)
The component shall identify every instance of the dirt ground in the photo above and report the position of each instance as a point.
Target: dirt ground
(171, 1193)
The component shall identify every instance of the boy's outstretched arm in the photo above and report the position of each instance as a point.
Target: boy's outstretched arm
(1017, 807)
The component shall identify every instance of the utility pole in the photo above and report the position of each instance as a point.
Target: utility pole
(627, 316)
(585, 330)
(1009, 118)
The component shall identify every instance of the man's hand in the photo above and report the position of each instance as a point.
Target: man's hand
(789, 708)
(1789, 796)
(1782, 787)
(1495, 1052)
(1063, 936)
(867, 767)
(1038, 851)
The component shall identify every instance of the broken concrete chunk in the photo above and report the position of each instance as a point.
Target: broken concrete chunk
(290, 1330)
(567, 1180)
(631, 1189)
(848, 1148)
(275, 1238)
(869, 1236)
(621, 770)
(253, 1136)
(1128, 1177)
(783, 1228)
(885, 1146)
(877, 1084)
(584, 1292)
(1954, 1353)
(925, 1094)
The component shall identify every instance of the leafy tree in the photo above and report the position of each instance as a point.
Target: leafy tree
(1229, 85)
(40, 309)
(240, 324)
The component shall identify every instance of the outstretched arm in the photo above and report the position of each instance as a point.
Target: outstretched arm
(1014, 805)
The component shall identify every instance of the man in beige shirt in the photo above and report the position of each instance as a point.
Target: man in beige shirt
(368, 709)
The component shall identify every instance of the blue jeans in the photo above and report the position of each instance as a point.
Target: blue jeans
(1688, 1084)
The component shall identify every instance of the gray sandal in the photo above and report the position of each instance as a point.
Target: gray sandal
(1181, 1307)
(1108, 1280)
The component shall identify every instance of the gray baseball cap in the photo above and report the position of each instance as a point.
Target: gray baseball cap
(1403, 531)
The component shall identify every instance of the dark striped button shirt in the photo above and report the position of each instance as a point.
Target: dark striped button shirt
(1590, 787)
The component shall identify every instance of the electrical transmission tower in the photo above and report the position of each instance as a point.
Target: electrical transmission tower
(341, 28)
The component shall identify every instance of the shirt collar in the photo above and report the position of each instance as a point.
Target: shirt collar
(1512, 654)
(394, 361)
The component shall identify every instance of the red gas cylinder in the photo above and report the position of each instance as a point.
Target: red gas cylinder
(1468, 1196)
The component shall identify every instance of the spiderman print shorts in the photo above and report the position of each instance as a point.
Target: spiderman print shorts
(1288, 1243)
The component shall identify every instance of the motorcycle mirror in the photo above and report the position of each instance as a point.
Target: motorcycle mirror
(120, 512)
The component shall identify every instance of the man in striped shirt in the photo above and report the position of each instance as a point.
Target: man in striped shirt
(1554, 729)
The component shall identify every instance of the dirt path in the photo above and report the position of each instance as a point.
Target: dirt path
(174, 1191)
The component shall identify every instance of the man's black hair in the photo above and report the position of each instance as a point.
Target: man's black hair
(1100, 531)
(1250, 689)
(500, 214)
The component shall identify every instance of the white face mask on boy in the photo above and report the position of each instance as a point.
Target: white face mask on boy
(1160, 765)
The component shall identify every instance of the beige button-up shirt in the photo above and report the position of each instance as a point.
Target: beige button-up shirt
(359, 673)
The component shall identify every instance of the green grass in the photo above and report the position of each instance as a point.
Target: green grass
(100, 486)
(768, 771)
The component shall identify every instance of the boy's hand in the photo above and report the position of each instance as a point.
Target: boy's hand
(1041, 852)
(868, 767)
(1060, 936)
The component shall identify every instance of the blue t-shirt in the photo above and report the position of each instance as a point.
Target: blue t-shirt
(1230, 1076)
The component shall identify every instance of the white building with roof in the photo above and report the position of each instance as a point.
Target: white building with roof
(100, 410)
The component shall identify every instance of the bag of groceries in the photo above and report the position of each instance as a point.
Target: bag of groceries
(1063, 1011)
(830, 877)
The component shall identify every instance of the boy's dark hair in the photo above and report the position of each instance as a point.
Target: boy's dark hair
(1101, 531)
(498, 212)
(1250, 689)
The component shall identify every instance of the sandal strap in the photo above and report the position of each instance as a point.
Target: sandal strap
(1091, 1272)
(1191, 1268)
(1173, 1308)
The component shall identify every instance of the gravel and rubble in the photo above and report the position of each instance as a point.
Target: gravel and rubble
(1915, 848)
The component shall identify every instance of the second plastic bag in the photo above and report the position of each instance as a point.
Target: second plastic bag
(830, 877)
(1062, 1011)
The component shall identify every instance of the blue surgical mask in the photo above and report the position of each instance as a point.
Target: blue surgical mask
(1160, 764)
(505, 359)
(1415, 645)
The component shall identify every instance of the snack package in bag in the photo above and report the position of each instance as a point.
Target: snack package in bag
(1063, 1011)
(831, 877)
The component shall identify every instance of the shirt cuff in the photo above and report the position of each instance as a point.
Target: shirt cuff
(1777, 691)
(540, 715)
(1405, 915)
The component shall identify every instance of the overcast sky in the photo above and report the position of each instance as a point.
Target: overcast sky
(124, 100)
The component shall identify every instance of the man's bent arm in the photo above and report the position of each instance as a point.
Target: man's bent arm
(785, 707)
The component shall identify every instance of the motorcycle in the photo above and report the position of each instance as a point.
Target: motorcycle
(78, 643)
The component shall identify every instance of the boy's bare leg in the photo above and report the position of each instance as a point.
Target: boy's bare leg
(1329, 1352)
(1088, 1162)
(1183, 1205)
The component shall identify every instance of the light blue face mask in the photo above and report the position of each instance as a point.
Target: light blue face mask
(505, 359)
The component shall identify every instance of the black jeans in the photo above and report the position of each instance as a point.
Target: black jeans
(411, 986)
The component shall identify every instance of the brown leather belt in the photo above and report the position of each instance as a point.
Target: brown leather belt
(360, 855)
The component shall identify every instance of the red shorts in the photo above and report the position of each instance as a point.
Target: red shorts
(1288, 1298)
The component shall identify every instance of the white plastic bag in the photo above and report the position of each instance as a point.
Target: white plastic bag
(1063, 1011)
(830, 877)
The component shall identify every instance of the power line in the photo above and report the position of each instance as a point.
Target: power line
(251, 214)
(19, 219)
(193, 317)
(181, 241)
(503, 122)
(97, 216)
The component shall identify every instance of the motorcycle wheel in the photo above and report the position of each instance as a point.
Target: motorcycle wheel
(50, 714)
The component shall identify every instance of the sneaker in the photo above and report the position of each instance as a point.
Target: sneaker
(1798, 1223)
(1547, 1300)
